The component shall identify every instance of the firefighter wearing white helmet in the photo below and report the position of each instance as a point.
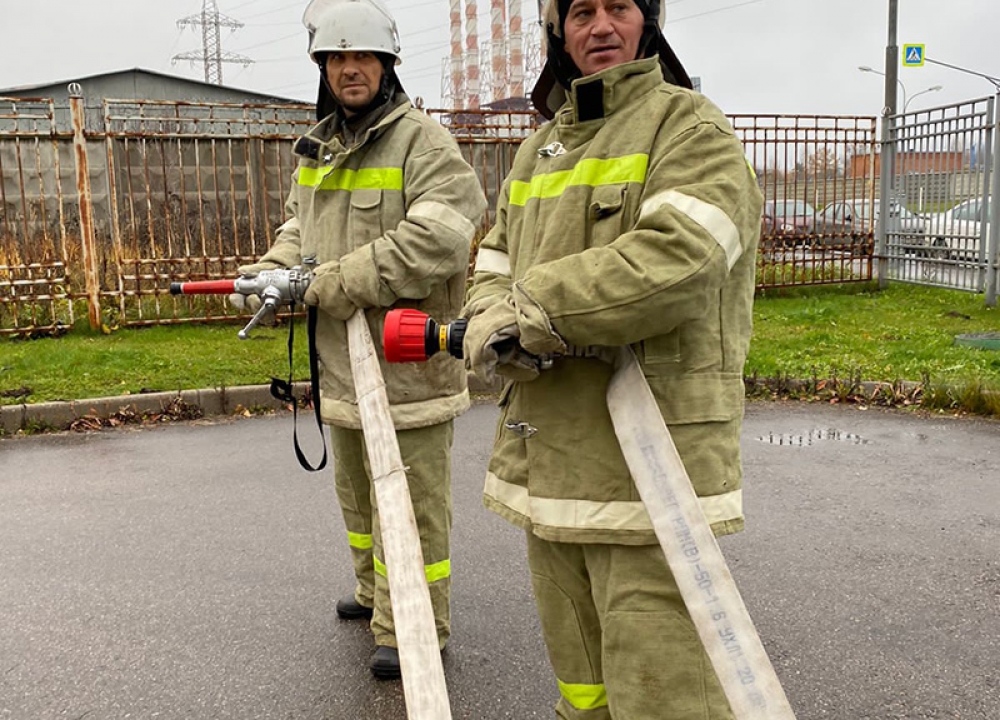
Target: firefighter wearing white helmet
(384, 209)
(365, 27)
(631, 219)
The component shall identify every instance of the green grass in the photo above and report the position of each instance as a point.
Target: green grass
(903, 333)
(82, 364)
(848, 332)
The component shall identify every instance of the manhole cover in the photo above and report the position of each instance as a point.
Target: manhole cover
(812, 437)
(983, 341)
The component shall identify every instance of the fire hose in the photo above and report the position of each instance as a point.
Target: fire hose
(726, 630)
(424, 684)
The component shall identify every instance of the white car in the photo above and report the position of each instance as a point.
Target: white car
(956, 234)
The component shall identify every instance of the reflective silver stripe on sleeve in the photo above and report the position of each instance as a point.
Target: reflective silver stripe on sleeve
(441, 213)
(719, 225)
(493, 261)
(590, 515)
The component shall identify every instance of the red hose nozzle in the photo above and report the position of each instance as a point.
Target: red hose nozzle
(412, 336)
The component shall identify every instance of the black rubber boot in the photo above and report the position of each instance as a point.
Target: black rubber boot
(385, 663)
(350, 609)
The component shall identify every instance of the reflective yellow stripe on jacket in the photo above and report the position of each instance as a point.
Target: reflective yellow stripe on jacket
(591, 172)
(325, 178)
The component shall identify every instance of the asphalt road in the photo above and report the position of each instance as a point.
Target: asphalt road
(190, 570)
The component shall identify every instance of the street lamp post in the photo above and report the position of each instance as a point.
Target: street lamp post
(932, 88)
(865, 68)
(906, 101)
(888, 160)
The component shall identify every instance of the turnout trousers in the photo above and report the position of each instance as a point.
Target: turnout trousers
(426, 453)
(619, 637)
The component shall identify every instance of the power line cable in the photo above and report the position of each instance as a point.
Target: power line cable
(713, 12)
(269, 42)
(295, 58)
(242, 5)
(270, 12)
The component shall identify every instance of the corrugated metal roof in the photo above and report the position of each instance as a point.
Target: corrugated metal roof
(142, 71)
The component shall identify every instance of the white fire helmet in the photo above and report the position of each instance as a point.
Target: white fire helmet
(350, 26)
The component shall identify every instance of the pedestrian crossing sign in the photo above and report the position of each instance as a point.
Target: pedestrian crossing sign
(913, 55)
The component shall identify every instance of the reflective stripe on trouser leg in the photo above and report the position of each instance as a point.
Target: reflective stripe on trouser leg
(426, 454)
(654, 665)
(354, 493)
(571, 627)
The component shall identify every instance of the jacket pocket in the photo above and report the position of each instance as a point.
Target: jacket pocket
(705, 397)
(605, 215)
(365, 221)
(662, 353)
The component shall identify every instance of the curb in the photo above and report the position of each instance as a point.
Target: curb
(211, 401)
(227, 400)
(60, 415)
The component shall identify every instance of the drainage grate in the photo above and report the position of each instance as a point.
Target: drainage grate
(813, 437)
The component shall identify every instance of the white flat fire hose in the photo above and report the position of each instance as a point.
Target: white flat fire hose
(726, 630)
(419, 657)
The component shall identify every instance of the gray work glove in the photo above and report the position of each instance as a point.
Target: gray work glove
(491, 345)
(252, 270)
(326, 290)
(251, 303)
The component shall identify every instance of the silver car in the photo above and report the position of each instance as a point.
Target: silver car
(853, 221)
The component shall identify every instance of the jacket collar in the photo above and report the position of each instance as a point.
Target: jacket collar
(606, 92)
(325, 135)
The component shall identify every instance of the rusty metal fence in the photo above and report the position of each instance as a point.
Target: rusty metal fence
(99, 215)
(39, 217)
(193, 192)
(809, 167)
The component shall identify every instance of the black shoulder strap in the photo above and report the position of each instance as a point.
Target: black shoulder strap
(283, 390)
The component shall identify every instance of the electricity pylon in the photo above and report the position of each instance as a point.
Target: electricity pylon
(211, 20)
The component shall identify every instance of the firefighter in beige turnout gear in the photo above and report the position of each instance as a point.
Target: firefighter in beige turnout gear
(632, 218)
(383, 209)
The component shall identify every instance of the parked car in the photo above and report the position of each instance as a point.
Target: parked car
(853, 220)
(955, 234)
(794, 218)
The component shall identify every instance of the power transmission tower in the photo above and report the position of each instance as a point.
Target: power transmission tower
(211, 20)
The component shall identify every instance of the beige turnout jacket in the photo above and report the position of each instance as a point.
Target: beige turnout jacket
(631, 219)
(399, 212)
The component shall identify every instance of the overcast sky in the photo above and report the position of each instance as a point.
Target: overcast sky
(754, 56)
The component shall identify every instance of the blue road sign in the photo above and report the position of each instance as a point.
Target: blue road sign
(913, 55)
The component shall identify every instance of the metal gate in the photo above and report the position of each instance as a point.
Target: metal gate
(944, 168)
